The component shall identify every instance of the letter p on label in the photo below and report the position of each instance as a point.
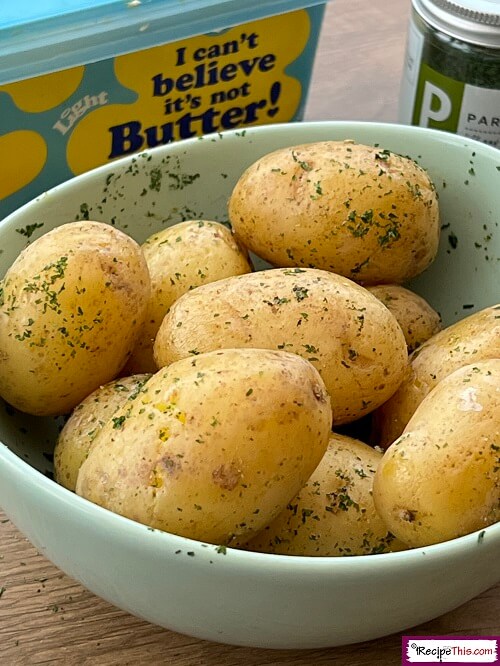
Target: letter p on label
(436, 105)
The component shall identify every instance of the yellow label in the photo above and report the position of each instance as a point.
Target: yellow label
(23, 156)
(197, 86)
(44, 92)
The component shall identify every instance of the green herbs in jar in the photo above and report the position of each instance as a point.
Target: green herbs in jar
(451, 78)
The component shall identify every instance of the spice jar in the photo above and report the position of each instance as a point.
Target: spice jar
(451, 77)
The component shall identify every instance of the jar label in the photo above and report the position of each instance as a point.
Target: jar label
(443, 103)
(414, 46)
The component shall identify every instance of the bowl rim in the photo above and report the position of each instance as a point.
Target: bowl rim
(131, 529)
(272, 128)
(107, 521)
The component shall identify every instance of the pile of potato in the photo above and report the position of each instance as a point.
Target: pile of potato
(206, 398)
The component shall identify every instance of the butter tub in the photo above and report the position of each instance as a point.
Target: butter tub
(84, 82)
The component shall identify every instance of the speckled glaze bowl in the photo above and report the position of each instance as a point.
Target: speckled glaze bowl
(221, 594)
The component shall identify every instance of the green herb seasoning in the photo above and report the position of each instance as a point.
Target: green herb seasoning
(451, 79)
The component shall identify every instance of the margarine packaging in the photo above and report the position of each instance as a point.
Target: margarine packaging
(84, 82)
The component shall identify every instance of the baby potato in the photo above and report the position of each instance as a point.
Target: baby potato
(418, 320)
(71, 308)
(441, 478)
(474, 338)
(334, 513)
(86, 421)
(343, 330)
(363, 212)
(204, 452)
(184, 256)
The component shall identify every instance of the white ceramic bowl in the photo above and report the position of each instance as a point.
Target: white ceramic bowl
(241, 597)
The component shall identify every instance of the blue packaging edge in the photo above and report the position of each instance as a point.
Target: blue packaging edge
(86, 33)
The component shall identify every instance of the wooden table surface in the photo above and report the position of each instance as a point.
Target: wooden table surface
(46, 617)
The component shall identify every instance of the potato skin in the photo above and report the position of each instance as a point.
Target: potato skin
(334, 513)
(346, 333)
(362, 212)
(179, 258)
(71, 310)
(418, 320)
(204, 453)
(441, 478)
(86, 421)
(474, 338)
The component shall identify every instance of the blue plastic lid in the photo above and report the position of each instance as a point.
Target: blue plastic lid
(41, 36)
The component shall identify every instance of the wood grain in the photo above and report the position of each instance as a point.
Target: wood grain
(47, 618)
(359, 61)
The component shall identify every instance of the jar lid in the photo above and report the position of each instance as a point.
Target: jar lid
(473, 21)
